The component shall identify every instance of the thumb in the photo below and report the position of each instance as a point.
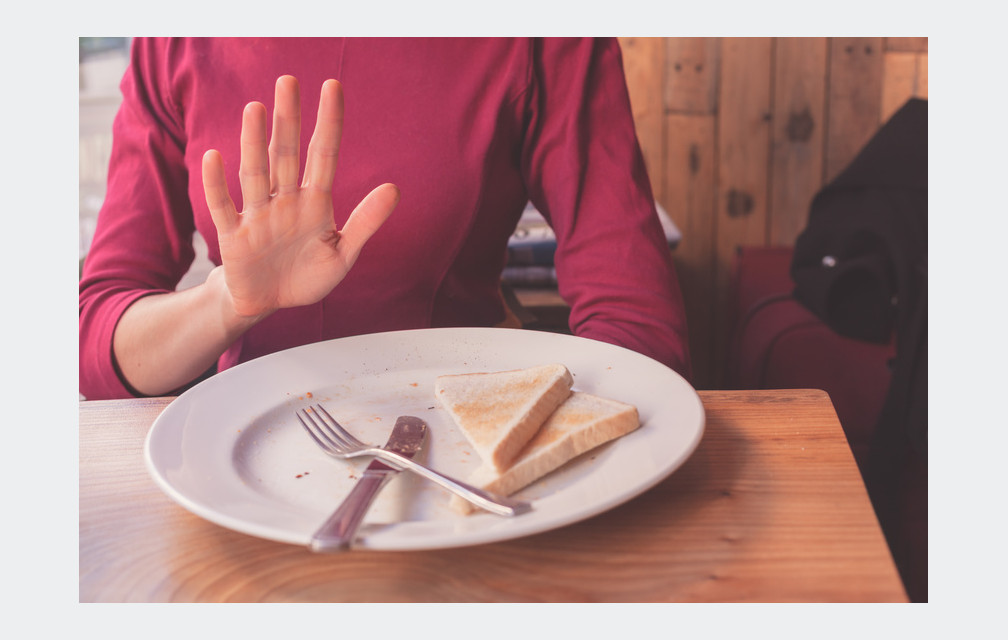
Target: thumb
(369, 216)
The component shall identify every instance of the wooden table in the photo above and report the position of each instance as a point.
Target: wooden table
(770, 508)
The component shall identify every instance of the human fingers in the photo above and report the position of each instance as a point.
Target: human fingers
(218, 199)
(285, 140)
(323, 148)
(253, 170)
(369, 216)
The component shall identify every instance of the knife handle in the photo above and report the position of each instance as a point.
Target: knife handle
(338, 532)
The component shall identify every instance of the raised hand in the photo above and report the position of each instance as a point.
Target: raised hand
(284, 248)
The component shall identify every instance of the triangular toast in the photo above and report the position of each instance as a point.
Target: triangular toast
(580, 424)
(499, 412)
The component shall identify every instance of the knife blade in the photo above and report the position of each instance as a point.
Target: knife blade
(338, 532)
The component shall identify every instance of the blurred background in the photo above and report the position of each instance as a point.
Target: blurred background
(102, 63)
(738, 134)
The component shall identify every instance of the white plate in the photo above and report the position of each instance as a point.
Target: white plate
(231, 450)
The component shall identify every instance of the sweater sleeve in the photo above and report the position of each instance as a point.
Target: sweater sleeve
(143, 238)
(585, 172)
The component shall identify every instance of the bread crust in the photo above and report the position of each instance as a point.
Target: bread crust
(582, 423)
(499, 412)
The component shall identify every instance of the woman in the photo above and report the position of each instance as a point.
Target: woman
(445, 140)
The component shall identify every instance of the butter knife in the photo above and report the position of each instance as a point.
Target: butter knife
(338, 532)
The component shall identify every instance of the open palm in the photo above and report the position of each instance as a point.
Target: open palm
(284, 248)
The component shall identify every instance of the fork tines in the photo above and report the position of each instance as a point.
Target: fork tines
(326, 432)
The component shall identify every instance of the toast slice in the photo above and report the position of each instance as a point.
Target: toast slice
(499, 412)
(580, 424)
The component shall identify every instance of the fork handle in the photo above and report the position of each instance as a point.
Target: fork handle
(338, 532)
(501, 505)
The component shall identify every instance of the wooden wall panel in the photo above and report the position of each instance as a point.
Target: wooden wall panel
(689, 181)
(918, 45)
(855, 99)
(643, 62)
(799, 103)
(899, 82)
(743, 150)
(691, 75)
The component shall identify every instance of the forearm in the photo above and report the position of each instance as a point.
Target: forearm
(164, 341)
(612, 259)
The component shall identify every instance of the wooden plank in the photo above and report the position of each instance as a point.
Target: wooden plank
(855, 99)
(643, 65)
(916, 45)
(798, 134)
(689, 200)
(691, 74)
(899, 82)
(743, 149)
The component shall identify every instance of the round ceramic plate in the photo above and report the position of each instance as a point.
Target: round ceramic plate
(231, 450)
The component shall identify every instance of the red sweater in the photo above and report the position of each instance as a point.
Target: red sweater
(469, 130)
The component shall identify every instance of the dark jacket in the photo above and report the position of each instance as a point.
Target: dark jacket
(861, 262)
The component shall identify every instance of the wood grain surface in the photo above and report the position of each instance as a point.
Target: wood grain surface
(770, 508)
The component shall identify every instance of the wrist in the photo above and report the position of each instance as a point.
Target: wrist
(234, 323)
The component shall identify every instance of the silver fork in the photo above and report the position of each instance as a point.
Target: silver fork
(340, 443)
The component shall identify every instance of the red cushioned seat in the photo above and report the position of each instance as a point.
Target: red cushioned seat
(778, 343)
